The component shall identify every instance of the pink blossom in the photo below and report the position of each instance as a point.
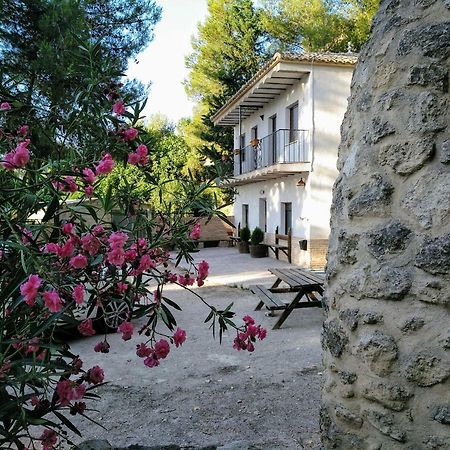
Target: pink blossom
(126, 328)
(122, 287)
(4, 106)
(195, 232)
(131, 255)
(98, 229)
(117, 239)
(179, 337)
(86, 328)
(52, 301)
(203, 268)
(48, 439)
(105, 166)
(133, 158)
(8, 161)
(186, 280)
(89, 176)
(116, 257)
(145, 264)
(71, 184)
(162, 348)
(22, 130)
(66, 249)
(21, 154)
(102, 347)
(262, 333)
(252, 330)
(248, 320)
(151, 361)
(95, 375)
(90, 244)
(35, 401)
(142, 151)
(27, 235)
(78, 294)
(65, 392)
(77, 364)
(118, 107)
(67, 228)
(171, 277)
(250, 347)
(130, 134)
(30, 288)
(143, 351)
(51, 247)
(33, 345)
(78, 262)
(89, 191)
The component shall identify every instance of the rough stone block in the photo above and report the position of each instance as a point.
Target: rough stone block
(428, 367)
(334, 337)
(389, 239)
(412, 324)
(441, 414)
(392, 396)
(430, 75)
(350, 318)
(379, 351)
(348, 416)
(434, 255)
(445, 151)
(384, 423)
(427, 113)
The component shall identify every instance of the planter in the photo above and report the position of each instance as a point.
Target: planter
(243, 247)
(258, 251)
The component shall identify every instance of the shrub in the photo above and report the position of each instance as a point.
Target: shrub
(257, 236)
(245, 234)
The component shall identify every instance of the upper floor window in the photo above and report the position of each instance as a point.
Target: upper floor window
(293, 122)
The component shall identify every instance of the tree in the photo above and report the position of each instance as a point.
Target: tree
(318, 25)
(227, 51)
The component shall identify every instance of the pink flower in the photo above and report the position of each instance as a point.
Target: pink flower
(86, 328)
(48, 439)
(143, 351)
(102, 347)
(33, 345)
(151, 361)
(4, 106)
(130, 134)
(95, 375)
(21, 155)
(8, 161)
(250, 347)
(248, 320)
(195, 232)
(27, 235)
(90, 244)
(78, 262)
(105, 166)
(23, 130)
(65, 392)
(35, 401)
(118, 107)
(117, 239)
(162, 348)
(51, 247)
(66, 249)
(67, 228)
(202, 269)
(78, 294)
(116, 257)
(126, 328)
(142, 151)
(262, 333)
(133, 158)
(89, 176)
(179, 337)
(98, 229)
(30, 288)
(52, 301)
(88, 191)
(122, 287)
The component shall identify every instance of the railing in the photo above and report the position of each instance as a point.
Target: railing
(283, 146)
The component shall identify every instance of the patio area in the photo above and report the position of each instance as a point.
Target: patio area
(209, 395)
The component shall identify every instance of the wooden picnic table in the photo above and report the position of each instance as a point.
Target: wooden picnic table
(304, 284)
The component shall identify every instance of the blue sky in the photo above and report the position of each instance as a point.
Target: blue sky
(162, 62)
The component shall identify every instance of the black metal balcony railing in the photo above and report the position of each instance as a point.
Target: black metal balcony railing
(283, 146)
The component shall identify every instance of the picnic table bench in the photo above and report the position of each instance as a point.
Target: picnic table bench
(304, 284)
(286, 248)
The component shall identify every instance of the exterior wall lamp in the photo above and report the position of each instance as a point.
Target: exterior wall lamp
(301, 183)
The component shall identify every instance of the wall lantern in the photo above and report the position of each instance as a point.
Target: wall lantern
(261, 192)
(301, 183)
(262, 116)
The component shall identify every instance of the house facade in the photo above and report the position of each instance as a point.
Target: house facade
(286, 122)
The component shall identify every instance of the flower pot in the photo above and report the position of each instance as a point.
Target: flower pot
(258, 251)
(243, 247)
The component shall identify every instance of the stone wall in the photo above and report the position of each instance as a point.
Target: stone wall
(386, 338)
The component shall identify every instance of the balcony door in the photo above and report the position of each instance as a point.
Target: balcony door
(273, 139)
(293, 123)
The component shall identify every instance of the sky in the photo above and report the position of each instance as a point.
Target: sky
(162, 62)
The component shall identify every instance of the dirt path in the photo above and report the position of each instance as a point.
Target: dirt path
(210, 394)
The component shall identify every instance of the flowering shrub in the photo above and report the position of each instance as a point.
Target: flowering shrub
(62, 259)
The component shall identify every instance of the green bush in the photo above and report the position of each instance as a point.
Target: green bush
(257, 236)
(244, 234)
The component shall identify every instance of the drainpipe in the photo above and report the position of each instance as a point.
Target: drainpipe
(240, 139)
(313, 116)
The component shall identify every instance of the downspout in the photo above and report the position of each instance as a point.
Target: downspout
(313, 128)
(240, 140)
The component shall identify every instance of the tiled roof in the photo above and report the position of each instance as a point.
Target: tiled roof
(346, 59)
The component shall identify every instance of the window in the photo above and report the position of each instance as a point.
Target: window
(286, 217)
(273, 138)
(293, 122)
(242, 146)
(245, 216)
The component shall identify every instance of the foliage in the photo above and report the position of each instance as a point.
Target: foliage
(61, 259)
(318, 25)
(245, 234)
(257, 236)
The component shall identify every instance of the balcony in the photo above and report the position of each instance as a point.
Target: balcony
(281, 153)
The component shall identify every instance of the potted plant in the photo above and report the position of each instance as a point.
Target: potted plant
(257, 249)
(244, 236)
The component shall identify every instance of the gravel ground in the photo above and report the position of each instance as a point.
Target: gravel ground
(207, 394)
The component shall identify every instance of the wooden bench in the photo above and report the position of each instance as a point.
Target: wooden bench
(267, 298)
(233, 240)
(285, 248)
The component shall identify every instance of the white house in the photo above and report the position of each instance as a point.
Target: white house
(286, 123)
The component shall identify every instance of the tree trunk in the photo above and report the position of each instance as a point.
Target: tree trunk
(386, 339)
